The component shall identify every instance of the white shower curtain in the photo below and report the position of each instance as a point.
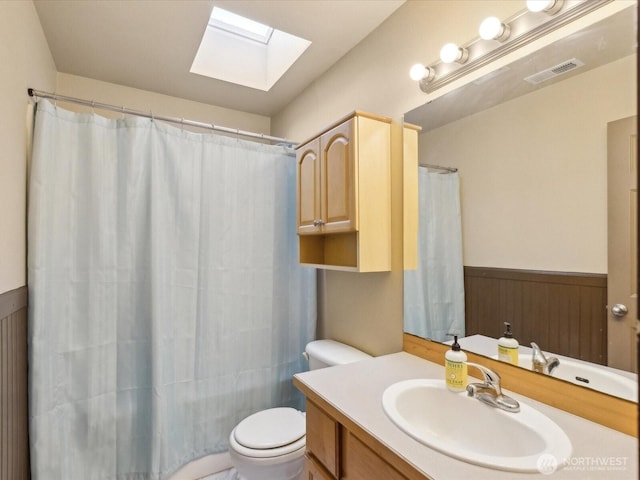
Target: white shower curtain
(166, 300)
(434, 292)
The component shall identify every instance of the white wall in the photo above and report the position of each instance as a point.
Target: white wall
(26, 62)
(533, 172)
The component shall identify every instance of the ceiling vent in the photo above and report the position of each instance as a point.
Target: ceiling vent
(555, 71)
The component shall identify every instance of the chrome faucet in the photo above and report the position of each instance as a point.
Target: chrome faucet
(540, 363)
(490, 392)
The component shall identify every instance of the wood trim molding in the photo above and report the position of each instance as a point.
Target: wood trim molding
(13, 301)
(612, 412)
(563, 278)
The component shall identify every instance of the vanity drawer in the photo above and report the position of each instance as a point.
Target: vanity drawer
(322, 438)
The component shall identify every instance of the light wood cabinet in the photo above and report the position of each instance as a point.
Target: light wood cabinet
(313, 470)
(323, 438)
(344, 196)
(308, 203)
(359, 462)
(336, 453)
(410, 196)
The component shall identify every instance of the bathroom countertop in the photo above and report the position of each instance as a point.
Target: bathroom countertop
(356, 391)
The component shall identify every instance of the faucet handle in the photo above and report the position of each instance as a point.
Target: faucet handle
(540, 363)
(490, 392)
(490, 377)
(537, 356)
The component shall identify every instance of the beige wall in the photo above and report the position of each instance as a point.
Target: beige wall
(142, 100)
(533, 172)
(26, 62)
(365, 310)
(374, 76)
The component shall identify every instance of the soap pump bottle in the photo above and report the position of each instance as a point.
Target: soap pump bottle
(455, 367)
(508, 347)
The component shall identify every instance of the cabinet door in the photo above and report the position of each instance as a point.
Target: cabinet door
(322, 438)
(338, 183)
(359, 462)
(308, 182)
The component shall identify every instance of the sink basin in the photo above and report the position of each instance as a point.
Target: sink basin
(591, 376)
(464, 428)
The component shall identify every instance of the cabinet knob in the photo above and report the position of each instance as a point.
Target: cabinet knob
(318, 223)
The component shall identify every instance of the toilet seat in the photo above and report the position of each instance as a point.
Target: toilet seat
(270, 433)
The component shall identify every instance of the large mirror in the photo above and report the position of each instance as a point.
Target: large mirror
(532, 168)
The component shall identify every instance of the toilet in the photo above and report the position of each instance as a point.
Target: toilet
(270, 444)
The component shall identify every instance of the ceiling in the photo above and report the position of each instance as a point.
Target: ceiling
(151, 44)
(603, 42)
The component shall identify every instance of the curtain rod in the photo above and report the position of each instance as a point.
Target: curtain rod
(438, 167)
(181, 121)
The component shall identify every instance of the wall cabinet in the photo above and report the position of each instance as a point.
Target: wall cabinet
(335, 453)
(344, 195)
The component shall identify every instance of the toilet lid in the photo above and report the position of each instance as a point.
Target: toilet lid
(271, 428)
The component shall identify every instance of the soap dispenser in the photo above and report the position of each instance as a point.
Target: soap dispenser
(455, 367)
(508, 347)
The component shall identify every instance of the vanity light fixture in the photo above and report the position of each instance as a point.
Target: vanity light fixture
(492, 28)
(452, 53)
(550, 7)
(498, 38)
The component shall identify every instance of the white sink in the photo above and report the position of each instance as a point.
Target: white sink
(464, 428)
(592, 376)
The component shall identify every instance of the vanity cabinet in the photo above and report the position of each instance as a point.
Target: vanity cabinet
(336, 453)
(344, 195)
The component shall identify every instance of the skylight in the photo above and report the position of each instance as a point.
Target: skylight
(239, 25)
(245, 52)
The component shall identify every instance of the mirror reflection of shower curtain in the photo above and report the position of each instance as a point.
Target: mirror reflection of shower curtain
(434, 292)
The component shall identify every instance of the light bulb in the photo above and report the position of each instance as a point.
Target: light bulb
(422, 74)
(540, 5)
(417, 72)
(492, 28)
(452, 53)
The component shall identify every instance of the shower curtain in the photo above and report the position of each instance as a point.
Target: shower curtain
(166, 300)
(434, 292)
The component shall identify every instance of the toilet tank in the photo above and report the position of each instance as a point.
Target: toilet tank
(326, 353)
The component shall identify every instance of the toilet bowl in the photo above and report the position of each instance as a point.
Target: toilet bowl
(270, 444)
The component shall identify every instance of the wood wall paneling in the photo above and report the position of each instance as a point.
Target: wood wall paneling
(564, 313)
(14, 438)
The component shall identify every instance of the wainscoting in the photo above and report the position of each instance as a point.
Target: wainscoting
(564, 313)
(14, 429)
